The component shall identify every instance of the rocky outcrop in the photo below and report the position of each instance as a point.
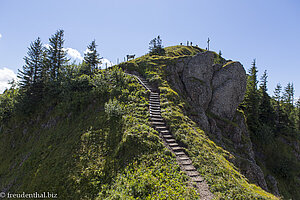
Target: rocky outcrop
(214, 91)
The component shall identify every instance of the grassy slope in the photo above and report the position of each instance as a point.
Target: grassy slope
(74, 148)
(224, 179)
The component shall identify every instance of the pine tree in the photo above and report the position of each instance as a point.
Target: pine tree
(56, 55)
(91, 57)
(288, 105)
(298, 113)
(34, 65)
(288, 98)
(277, 98)
(251, 101)
(266, 112)
(280, 117)
(156, 47)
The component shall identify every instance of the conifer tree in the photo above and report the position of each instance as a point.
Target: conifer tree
(156, 47)
(266, 112)
(34, 65)
(298, 113)
(288, 105)
(56, 55)
(251, 100)
(277, 98)
(288, 95)
(280, 117)
(91, 57)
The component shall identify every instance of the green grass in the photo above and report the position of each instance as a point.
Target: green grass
(96, 142)
(211, 161)
(94, 145)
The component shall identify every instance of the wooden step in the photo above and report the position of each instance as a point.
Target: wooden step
(165, 132)
(177, 148)
(173, 144)
(170, 140)
(168, 136)
(185, 162)
(182, 158)
(197, 179)
(154, 105)
(192, 173)
(154, 102)
(154, 113)
(179, 153)
(154, 99)
(155, 110)
(155, 116)
(161, 128)
(158, 123)
(188, 168)
(157, 119)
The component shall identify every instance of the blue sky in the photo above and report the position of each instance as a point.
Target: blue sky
(243, 30)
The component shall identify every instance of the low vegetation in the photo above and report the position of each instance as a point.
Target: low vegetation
(88, 135)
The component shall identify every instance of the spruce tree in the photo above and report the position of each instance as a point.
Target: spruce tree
(266, 112)
(251, 101)
(91, 57)
(156, 47)
(288, 95)
(34, 65)
(277, 98)
(298, 113)
(288, 105)
(56, 55)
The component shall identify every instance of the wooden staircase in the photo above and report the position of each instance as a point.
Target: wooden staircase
(182, 158)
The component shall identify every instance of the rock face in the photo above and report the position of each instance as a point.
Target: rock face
(228, 86)
(214, 92)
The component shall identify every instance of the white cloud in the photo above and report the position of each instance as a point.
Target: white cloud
(47, 46)
(105, 63)
(0, 35)
(76, 57)
(87, 51)
(73, 54)
(5, 76)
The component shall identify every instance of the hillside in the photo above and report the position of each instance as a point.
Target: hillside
(92, 137)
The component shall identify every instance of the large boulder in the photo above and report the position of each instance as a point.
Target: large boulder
(228, 89)
(214, 92)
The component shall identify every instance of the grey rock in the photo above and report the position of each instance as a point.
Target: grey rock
(228, 86)
(214, 92)
(197, 78)
(272, 185)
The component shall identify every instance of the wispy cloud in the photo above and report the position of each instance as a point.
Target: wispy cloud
(5, 76)
(0, 35)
